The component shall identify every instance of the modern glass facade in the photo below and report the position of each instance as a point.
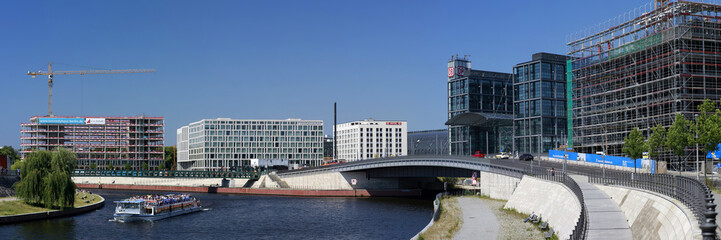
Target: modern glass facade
(431, 142)
(217, 144)
(539, 90)
(481, 92)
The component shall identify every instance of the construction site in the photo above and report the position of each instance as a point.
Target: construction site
(98, 142)
(103, 141)
(641, 69)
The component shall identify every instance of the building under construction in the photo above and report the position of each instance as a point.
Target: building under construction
(641, 69)
(98, 140)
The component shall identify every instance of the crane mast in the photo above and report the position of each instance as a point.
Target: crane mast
(50, 74)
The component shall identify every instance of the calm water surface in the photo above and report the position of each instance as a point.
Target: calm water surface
(244, 217)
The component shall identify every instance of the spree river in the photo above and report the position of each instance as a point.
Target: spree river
(244, 217)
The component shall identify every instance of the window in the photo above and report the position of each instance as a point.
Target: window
(546, 71)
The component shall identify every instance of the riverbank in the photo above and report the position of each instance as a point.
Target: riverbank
(461, 218)
(261, 191)
(14, 211)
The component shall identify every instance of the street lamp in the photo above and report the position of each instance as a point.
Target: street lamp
(696, 140)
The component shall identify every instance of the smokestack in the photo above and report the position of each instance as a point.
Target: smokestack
(335, 131)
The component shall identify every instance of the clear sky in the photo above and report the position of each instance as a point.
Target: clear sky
(268, 59)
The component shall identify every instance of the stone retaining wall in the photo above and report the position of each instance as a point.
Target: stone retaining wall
(653, 216)
(552, 201)
(498, 186)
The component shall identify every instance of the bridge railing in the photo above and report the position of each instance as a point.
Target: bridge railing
(694, 194)
(579, 231)
(166, 174)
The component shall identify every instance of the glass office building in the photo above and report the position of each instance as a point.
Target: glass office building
(480, 109)
(539, 89)
(428, 142)
(218, 144)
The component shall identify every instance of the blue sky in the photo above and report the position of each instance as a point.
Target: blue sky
(268, 59)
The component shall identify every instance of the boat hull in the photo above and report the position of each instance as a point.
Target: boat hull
(131, 217)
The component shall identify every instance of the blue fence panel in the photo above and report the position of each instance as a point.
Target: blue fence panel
(715, 154)
(559, 155)
(609, 160)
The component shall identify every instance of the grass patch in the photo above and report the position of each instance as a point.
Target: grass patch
(448, 223)
(512, 212)
(19, 207)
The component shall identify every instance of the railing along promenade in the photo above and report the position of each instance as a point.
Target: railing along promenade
(248, 174)
(579, 231)
(692, 193)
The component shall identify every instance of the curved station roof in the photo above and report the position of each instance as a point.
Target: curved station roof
(476, 119)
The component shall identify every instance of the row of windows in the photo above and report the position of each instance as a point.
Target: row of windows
(252, 156)
(545, 107)
(550, 126)
(540, 71)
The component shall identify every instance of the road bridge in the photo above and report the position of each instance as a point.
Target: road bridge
(681, 193)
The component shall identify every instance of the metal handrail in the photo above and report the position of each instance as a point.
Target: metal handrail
(693, 194)
(166, 174)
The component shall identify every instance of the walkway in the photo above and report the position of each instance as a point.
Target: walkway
(605, 219)
(478, 220)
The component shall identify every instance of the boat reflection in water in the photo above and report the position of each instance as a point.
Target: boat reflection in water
(155, 207)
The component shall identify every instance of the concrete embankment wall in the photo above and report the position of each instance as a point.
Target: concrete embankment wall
(652, 216)
(51, 214)
(498, 186)
(552, 201)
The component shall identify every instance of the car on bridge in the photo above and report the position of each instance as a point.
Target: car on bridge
(503, 155)
(526, 157)
(479, 154)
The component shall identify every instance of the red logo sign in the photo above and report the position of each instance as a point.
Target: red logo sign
(461, 71)
(393, 123)
(453, 71)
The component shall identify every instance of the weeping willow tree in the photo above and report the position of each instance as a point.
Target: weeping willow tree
(45, 179)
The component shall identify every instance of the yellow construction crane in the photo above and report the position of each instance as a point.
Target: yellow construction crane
(50, 74)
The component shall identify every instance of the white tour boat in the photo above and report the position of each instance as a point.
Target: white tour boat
(155, 207)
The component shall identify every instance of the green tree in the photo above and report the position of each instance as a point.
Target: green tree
(656, 141)
(93, 166)
(708, 127)
(145, 166)
(110, 166)
(46, 179)
(161, 166)
(634, 146)
(170, 156)
(678, 137)
(10, 152)
(127, 165)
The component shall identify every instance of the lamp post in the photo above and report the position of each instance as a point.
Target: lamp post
(697, 167)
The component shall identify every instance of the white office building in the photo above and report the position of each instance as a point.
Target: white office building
(218, 144)
(369, 138)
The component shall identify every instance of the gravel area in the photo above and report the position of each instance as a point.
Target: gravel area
(511, 225)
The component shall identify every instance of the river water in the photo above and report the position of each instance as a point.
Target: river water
(244, 217)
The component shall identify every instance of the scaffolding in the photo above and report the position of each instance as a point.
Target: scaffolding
(641, 69)
(116, 140)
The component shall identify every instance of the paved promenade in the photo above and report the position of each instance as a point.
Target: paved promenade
(605, 218)
(479, 222)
